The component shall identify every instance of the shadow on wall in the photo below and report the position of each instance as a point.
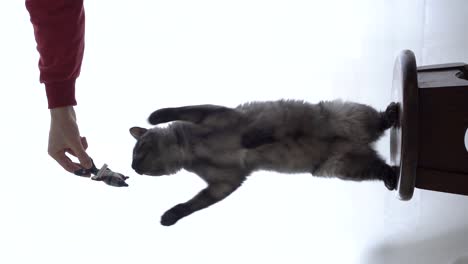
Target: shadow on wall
(461, 260)
(447, 248)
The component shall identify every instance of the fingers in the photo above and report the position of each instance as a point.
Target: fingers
(84, 159)
(65, 161)
(64, 137)
(84, 143)
(79, 150)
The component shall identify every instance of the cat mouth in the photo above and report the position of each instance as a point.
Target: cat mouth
(151, 173)
(139, 171)
(148, 172)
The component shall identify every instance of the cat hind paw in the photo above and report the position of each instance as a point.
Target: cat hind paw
(391, 179)
(160, 116)
(392, 114)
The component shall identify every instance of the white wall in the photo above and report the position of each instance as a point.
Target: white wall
(143, 55)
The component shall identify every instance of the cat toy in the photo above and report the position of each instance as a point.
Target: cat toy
(104, 174)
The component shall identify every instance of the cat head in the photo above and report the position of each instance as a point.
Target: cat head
(156, 151)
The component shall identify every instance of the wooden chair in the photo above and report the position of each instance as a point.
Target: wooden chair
(429, 144)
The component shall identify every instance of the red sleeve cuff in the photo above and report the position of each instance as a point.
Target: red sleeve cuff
(60, 94)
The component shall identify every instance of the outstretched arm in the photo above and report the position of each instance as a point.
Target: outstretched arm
(59, 28)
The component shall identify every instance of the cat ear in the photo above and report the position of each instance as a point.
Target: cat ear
(137, 132)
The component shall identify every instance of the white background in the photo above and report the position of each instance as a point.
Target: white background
(142, 55)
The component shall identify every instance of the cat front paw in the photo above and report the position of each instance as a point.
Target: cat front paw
(174, 214)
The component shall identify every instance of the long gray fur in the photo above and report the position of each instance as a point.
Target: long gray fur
(224, 145)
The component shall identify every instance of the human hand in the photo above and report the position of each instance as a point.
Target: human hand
(64, 137)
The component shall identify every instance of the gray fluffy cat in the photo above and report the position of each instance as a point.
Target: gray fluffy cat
(224, 145)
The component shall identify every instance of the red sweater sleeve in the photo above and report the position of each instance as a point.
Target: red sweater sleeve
(59, 27)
